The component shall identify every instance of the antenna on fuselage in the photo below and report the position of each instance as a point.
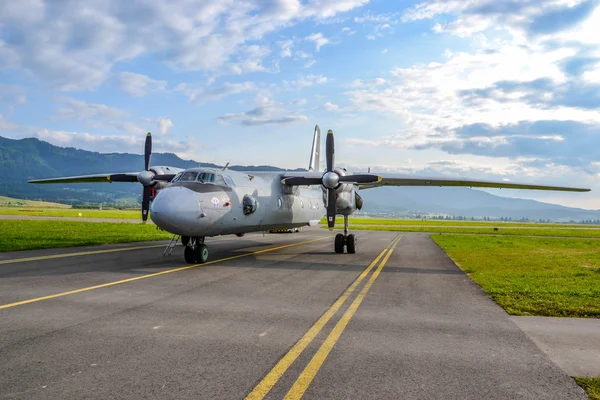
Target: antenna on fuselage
(225, 167)
(369, 170)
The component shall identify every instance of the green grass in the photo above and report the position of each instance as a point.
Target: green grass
(539, 230)
(532, 276)
(418, 222)
(27, 235)
(71, 212)
(591, 386)
(31, 203)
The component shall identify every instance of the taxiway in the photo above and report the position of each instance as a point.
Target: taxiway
(270, 316)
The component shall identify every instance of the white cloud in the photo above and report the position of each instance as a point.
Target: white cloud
(318, 39)
(304, 81)
(286, 48)
(331, 107)
(302, 54)
(139, 85)
(115, 143)
(266, 112)
(384, 51)
(75, 48)
(80, 110)
(196, 92)
(310, 63)
(164, 124)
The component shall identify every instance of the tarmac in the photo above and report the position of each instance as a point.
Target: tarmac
(270, 316)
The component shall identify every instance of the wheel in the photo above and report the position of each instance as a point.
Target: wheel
(339, 243)
(188, 255)
(351, 244)
(201, 254)
(239, 234)
(185, 240)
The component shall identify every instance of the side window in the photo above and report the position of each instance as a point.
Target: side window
(279, 203)
(188, 176)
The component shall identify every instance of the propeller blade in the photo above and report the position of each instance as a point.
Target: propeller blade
(360, 178)
(122, 178)
(301, 181)
(146, 202)
(329, 150)
(331, 210)
(147, 151)
(164, 177)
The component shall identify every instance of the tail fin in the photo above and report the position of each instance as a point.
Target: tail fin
(316, 150)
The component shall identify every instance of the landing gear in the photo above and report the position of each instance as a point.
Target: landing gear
(185, 240)
(195, 252)
(341, 240)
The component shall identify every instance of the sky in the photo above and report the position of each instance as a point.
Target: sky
(504, 90)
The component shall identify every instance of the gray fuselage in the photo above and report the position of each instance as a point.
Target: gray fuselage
(210, 202)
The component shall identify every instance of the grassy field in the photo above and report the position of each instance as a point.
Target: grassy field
(417, 222)
(532, 276)
(535, 230)
(71, 212)
(27, 235)
(591, 386)
(31, 203)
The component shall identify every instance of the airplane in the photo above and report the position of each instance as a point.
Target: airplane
(196, 203)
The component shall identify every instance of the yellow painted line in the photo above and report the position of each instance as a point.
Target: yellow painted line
(264, 386)
(306, 377)
(137, 278)
(81, 253)
(86, 253)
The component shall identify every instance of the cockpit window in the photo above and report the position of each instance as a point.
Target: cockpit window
(206, 177)
(229, 181)
(188, 176)
(219, 180)
(176, 178)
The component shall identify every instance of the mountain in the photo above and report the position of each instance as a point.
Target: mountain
(31, 158)
(24, 159)
(465, 202)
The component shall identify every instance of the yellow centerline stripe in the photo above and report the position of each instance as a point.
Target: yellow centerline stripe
(306, 377)
(81, 253)
(267, 383)
(53, 296)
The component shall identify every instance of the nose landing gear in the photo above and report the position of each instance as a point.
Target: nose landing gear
(195, 252)
(345, 240)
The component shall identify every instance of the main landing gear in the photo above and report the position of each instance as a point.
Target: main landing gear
(195, 252)
(341, 240)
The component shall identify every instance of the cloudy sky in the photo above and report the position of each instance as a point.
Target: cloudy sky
(505, 90)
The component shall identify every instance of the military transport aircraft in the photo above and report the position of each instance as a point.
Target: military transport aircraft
(201, 202)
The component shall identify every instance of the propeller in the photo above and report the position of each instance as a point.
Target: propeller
(331, 180)
(146, 178)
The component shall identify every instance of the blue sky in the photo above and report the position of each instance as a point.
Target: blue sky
(505, 90)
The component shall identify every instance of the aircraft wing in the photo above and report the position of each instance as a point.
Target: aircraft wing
(118, 177)
(411, 180)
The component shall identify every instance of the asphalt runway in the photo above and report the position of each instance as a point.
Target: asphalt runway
(280, 316)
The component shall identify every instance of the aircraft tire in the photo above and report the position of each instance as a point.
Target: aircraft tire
(351, 244)
(188, 255)
(185, 240)
(339, 243)
(201, 253)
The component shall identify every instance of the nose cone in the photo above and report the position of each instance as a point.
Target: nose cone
(176, 210)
